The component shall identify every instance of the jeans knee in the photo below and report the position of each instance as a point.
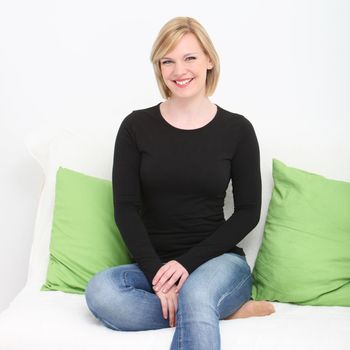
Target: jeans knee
(94, 292)
(98, 293)
(194, 298)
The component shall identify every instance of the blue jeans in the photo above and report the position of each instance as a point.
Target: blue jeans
(122, 299)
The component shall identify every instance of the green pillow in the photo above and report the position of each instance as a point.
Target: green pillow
(84, 237)
(304, 256)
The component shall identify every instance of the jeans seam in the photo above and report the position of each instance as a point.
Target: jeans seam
(124, 280)
(180, 332)
(178, 329)
(124, 276)
(233, 290)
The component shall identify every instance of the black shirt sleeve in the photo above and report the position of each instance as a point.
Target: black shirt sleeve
(246, 185)
(128, 201)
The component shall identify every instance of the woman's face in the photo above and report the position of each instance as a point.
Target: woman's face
(186, 62)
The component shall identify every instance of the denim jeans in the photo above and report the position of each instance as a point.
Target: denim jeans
(122, 299)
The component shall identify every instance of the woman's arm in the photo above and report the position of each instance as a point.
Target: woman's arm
(128, 203)
(246, 184)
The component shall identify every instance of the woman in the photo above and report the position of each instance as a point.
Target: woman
(172, 165)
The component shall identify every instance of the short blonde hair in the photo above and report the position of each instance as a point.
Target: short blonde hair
(167, 39)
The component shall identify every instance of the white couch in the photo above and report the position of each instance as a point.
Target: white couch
(52, 319)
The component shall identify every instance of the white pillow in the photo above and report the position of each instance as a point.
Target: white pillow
(86, 151)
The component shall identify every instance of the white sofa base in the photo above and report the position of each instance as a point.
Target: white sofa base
(52, 319)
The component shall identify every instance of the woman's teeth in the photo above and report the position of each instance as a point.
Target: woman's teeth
(183, 82)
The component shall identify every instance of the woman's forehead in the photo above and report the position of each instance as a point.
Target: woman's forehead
(188, 44)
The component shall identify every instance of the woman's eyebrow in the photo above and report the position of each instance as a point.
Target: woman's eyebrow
(187, 54)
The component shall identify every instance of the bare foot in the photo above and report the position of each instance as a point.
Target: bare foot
(253, 308)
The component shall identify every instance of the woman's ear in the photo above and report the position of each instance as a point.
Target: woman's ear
(210, 65)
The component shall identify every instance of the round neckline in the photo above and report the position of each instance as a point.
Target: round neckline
(212, 121)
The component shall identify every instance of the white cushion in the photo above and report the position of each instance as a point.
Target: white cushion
(86, 151)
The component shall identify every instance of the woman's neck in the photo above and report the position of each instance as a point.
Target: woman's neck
(188, 109)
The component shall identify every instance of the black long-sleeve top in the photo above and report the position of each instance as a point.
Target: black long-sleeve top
(169, 186)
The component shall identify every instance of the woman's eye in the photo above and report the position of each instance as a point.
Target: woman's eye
(188, 58)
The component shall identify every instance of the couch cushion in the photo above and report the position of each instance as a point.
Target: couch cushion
(304, 257)
(84, 237)
(58, 320)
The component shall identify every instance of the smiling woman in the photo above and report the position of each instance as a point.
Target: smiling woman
(172, 165)
(180, 45)
(186, 71)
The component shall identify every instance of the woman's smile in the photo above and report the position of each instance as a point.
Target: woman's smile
(183, 83)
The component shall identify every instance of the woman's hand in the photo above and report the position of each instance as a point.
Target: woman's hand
(167, 276)
(169, 304)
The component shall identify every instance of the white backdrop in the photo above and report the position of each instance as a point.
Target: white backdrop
(284, 65)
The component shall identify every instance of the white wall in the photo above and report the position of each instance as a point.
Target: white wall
(285, 66)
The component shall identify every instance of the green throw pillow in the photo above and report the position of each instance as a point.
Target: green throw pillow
(304, 256)
(84, 237)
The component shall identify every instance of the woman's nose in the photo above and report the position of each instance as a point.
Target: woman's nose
(179, 69)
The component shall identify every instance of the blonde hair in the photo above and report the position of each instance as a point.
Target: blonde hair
(167, 39)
